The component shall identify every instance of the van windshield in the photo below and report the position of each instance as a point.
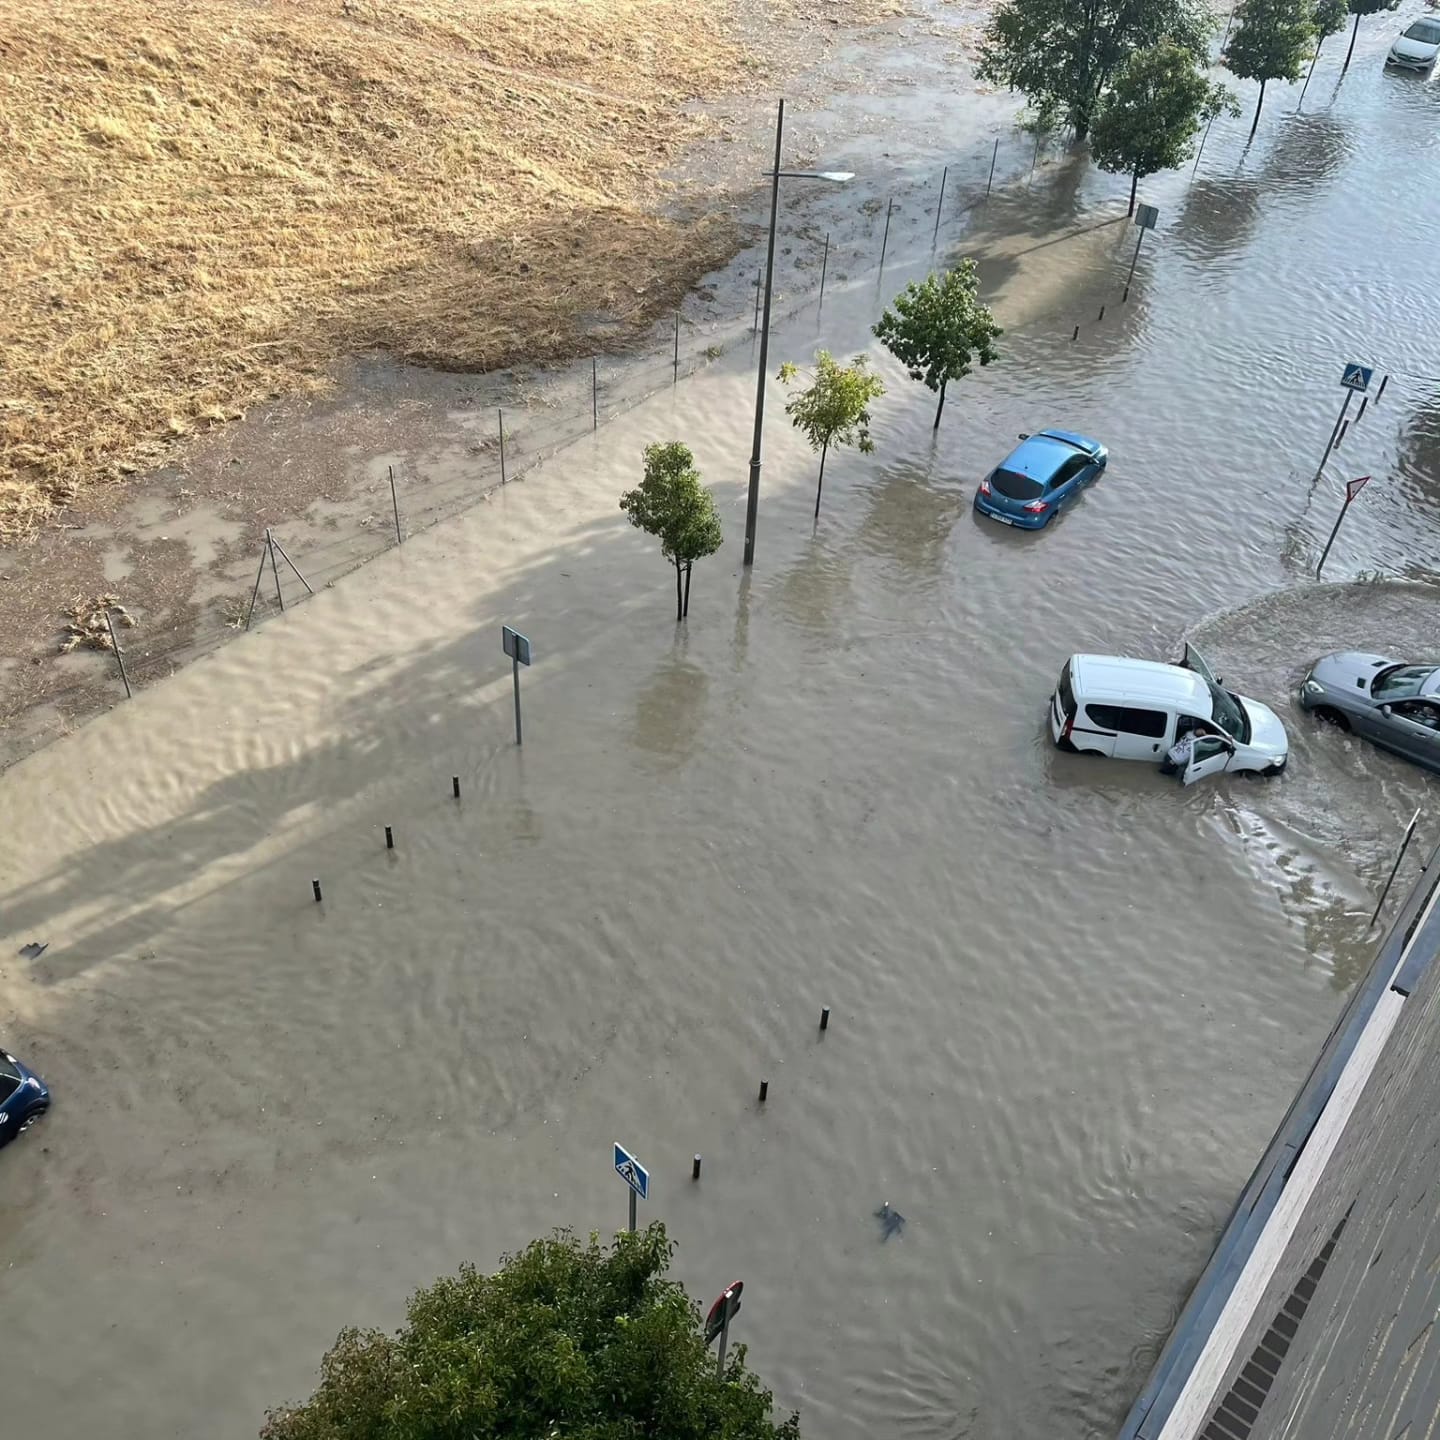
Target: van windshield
(1229, 714)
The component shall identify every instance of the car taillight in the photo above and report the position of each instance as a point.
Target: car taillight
(1036, 507)
(1067, 727)
(984, 487)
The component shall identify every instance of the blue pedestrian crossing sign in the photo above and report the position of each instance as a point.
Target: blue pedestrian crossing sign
(1357, 377)
(631, 1171)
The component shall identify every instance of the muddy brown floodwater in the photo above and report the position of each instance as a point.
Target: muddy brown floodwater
(1069, 1000)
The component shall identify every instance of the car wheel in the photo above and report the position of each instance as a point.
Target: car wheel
(1330, 716)
(31, 1118)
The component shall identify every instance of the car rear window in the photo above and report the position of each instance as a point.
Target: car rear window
(7, 1088)
(1015, 486)
(7, 1069)
(1066, 691)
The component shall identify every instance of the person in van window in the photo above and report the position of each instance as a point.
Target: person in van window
(1187, 732)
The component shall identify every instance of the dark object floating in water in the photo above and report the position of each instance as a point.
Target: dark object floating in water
(892, 1222)
(34, 950)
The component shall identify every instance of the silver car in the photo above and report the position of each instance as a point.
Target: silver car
(1395, 704)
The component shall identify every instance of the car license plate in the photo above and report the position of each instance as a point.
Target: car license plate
(1004, 519)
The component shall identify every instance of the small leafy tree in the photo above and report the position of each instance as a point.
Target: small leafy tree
(834, 409)
(1271, 43)
(1326, 18)
(1150, 115)
(1063, 55)
(936, 328)
(1364, 7)
(564, 1340)
(671, 504)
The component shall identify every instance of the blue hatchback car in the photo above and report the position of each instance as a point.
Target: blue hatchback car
(1040, 477)
(23, 1098)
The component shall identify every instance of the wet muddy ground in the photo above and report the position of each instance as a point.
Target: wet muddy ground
(1070, 999)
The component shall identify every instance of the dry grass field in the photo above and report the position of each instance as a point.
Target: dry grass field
(207, 202)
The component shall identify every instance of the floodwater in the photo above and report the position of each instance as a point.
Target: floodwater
(1070, 999)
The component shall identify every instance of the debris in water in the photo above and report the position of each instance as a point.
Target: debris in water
(85, 622)
(892, 1222)
(34, 950)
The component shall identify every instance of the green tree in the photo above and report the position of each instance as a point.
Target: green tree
(934, 329)
(1270, 43)
(564, 1340)
(1327, 17)
(834, 409)
(1364, 7)
(671, 504)
(1147, 119)
(1064, 54)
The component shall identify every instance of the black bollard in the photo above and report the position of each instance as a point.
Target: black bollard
(825, 1017)
(1076, 335)
(315, 886)
(1101, 315)
(455, 785)
(1384, 381)
(389, 838)
(695, 1169)
(764, 1090)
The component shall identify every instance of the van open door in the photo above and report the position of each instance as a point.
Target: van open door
(1194, 660)
(1208, 756)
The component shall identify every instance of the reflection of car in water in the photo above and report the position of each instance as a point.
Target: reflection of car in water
(1040, 477)
(1417, 47)
(1138, 709)
(23, 1098)
(1394, 704)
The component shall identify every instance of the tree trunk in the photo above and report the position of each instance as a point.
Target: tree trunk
(819, 484)
(679, 599)
(941, 405)
(1134, 181)
(1354, 31)
(1313, 59)
(1255, 124)
(685, 610)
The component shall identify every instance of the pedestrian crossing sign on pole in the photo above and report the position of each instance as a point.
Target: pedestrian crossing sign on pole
(635, 1175)
(1357, 377)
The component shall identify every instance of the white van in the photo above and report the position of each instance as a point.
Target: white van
(1137, 709)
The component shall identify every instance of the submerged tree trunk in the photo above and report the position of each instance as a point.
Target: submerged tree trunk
(941, 405)
(1354, 31)
(1315, 57)
(685, 609)
(820, 483)
(1255, 124)
(1134, 181)
(679, 598)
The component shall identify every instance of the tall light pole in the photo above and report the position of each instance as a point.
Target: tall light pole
(752, 502)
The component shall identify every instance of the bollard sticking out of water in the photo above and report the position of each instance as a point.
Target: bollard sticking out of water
(455, 786)
(695, 1169)
(764, 1090)
(315, 886)
(825, 1017)
(389, 838)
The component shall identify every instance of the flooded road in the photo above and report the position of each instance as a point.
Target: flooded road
(1069, 1000)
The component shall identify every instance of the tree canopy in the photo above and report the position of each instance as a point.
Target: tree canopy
(1147, 119)
(671, 504)
(1271, 42)
(834, 409)
(1064, 54)
(565, 1339)
(1328, 17)
(937, 327)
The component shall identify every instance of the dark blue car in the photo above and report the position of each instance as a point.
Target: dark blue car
(23, 1098)
(1040, 477)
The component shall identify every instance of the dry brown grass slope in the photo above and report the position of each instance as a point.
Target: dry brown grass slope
(207, 201)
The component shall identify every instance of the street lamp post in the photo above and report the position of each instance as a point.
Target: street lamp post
(752, 501)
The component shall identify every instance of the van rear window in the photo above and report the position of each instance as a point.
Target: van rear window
(1015, 486)
(1066, 691)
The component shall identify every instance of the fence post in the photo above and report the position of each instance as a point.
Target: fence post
(594, 394)
(119, 658)
(501, 414)
(395, 506)
(675, 378)
(994, 156)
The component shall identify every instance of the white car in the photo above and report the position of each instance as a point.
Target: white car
(1137, 709)
(1417, 48)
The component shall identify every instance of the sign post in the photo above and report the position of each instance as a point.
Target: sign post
(517, 647)
(635, 1175)
(1356, 380)
(1145, 218)
(1352, 489)
(717, 1322)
